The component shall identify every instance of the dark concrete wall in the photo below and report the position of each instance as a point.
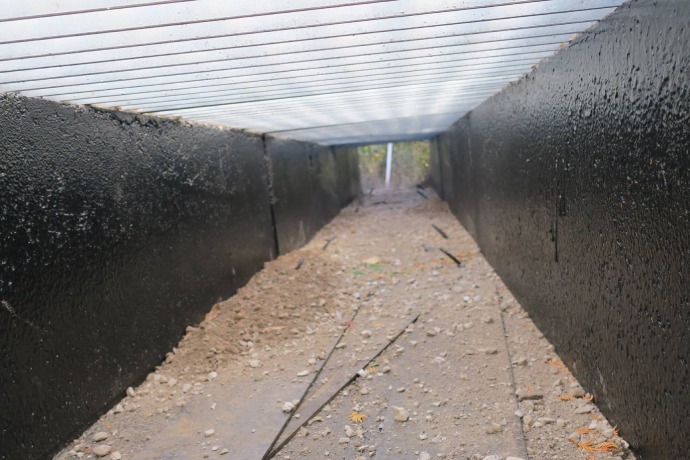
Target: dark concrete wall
(576, 184)
(347, 170)
(311, 183)
(116, 231)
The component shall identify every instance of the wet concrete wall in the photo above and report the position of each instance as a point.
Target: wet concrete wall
(576, 184)
(311, 183)
(116, 231)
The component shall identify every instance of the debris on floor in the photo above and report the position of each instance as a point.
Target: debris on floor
(383, 346)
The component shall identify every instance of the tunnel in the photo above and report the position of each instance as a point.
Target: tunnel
(192, 267)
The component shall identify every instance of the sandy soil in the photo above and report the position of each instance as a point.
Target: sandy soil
(472, 378)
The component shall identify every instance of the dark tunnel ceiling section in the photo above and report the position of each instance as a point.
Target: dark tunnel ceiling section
(331, 72)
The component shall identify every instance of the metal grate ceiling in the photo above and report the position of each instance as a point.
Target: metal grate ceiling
(328, 71)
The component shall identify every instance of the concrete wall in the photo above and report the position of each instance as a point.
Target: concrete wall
(576, 184)
(311, 183)
(117, 231)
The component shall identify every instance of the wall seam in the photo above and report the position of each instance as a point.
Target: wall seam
(268, 166)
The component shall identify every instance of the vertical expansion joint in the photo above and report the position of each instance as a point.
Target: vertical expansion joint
(268, 165)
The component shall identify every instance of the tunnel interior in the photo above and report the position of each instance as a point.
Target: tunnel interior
(155, 155)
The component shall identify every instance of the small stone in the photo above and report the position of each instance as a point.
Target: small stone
(100, 436)
(364, 391)
(254, 363)
(400, 414)
(288, 407)
(130, 392)
(524, 395)
(521, 361)
(424, 456)
(116, 456)
(488, 320)
(211, 376)
(172, 382)
(224, 451)
(514, 458)
(303, 373)
(186, 387)
(210, 432)
(492, 457)
(365, 333)
(587, 408)
(560, 423)
(343, 440)
(118, 409)
(431, 333)
(577, 392)
(101, 450)
(493, 428)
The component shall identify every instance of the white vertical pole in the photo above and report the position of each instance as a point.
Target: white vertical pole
(389, 160)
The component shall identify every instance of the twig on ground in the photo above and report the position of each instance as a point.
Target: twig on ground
(328, 241)
(306, 417)
(440, 232)
(452, 257)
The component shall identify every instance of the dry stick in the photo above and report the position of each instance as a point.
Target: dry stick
(270, 454)
(300, 262)
(328, 241)
(452, 257)
(440, 232)
(424, 195)
(335, 393)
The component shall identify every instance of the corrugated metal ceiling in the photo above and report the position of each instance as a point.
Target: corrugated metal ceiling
(328, 71)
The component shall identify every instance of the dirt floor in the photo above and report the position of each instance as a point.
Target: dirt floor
(375, 345)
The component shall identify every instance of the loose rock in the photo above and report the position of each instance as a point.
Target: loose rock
(400, 414)
(100, 436)
(101, 450)
(288, 407)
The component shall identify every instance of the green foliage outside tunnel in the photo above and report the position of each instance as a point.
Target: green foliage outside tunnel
(410, 164)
